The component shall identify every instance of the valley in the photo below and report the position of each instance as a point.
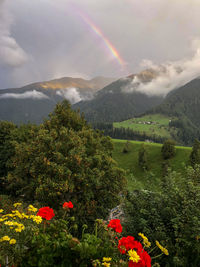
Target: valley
(152, 125)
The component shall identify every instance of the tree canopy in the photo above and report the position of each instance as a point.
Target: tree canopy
(67, 160)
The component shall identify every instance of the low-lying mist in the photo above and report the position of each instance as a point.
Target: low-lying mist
(165, 77)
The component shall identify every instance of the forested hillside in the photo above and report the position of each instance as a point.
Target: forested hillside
(183, 103)
(115, 103)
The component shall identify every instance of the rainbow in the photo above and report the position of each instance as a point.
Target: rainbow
(107, 43)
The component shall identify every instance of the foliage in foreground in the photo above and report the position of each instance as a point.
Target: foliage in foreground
(31, 237)
(171, 216)
(65, 159)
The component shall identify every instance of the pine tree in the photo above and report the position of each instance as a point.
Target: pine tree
(142, 158)
(168, 149)
(195, 154)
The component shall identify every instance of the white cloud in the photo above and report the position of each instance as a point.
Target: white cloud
(30, 94)
(65, 45)
(70, 94)
(73, 95)
(11, 54)
(170, 75)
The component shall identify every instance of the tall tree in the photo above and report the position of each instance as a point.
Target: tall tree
(195, 154)
(168, 149)
(67, 160)
(142, 158)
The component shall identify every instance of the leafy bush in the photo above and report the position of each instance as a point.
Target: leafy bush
(171, 216)
(66, 159)
(9, 135)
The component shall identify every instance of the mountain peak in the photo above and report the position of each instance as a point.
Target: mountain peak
(145, 75)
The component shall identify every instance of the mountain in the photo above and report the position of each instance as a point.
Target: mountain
(120, 100)
(33, 102)
(183, 103)
(184, 100)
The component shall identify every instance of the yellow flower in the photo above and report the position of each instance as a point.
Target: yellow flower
(17, 213)
(8, 215)
(12, 241)
(107, 259)
(19, 228)
(1, 220)
(142, 235)
(147, 243)
(32, 209)
(145, 240)
(133, 256)
(24, 216)
(106, 264)
(5, 238)
(9, 223)
(37, 219)
(1, 210)
(17, 204)
(164, 250)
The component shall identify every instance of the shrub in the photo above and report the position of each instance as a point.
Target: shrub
(171, 216)
(126, 147)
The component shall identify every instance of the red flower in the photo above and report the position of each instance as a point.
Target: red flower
(115, 225)
(127, 243)
(145, 260)
(68, 205)
(46, 213)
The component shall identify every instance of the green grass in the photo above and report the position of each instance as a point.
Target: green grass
(155, 124)
(139, 179)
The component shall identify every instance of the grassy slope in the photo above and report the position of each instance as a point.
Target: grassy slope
(137, 178)
(160, 128)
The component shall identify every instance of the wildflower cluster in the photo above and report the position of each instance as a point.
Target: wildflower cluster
(7, 238)
(106, 261)
(145, 240)
(16, 222)
(115, 225)
(138, 256)
(68, 205)
(46, 213)
(106, 240)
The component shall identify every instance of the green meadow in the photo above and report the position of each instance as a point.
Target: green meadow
(154, 124)
(136, 176)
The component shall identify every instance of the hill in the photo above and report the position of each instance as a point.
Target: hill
(33, 103)
(137, 178)
(120, 100)
(183, 103)
(153, 125)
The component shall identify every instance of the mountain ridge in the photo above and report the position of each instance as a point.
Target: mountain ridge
(33, 102)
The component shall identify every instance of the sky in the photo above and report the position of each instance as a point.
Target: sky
(46, 39)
